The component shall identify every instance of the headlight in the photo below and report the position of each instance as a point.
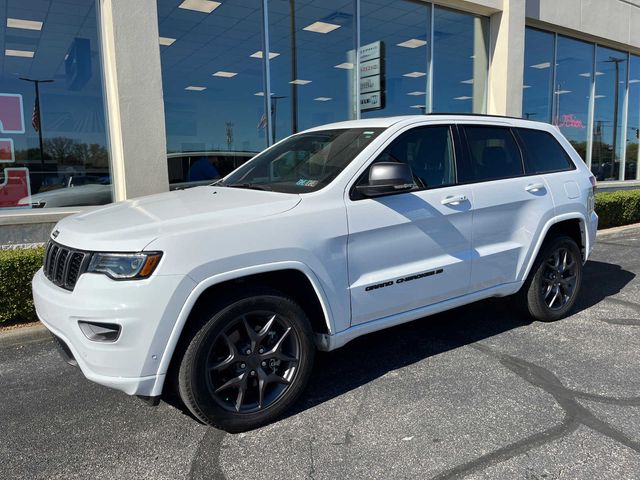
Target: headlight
(123, 266)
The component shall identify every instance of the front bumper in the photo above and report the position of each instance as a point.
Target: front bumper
(146, 311)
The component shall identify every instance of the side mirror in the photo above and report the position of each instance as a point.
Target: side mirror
(386, 178)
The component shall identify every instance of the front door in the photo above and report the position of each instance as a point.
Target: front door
(412, 249)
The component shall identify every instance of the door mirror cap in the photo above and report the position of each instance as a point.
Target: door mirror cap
(387, 178)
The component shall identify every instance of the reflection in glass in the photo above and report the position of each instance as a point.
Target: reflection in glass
(633, 121)
(213, 86)
(403, 27)
(611, 84)
(312, 75)
(572, 90)
(460, 61)
(52, 127)
(538, 75)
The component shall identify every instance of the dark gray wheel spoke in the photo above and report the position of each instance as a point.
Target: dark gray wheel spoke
(227, 362)
(267, 327)
(242, 389)
(252, 334)
(234, 382)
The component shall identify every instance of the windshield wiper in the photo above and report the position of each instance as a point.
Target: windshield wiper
(251, 186)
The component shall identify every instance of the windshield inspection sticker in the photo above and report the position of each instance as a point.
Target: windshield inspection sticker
(306, 183)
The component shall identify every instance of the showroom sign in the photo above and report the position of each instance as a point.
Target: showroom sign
(372, 76)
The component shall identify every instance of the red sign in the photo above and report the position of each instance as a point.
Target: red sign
(16, 180)
(569, 121)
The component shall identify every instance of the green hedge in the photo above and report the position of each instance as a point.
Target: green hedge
(16, 270)
(618, 208)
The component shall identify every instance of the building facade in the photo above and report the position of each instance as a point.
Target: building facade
(105, 100)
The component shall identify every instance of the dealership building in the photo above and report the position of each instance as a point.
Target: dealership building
(105, 100)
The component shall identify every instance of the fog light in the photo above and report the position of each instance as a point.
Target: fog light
(100, 332)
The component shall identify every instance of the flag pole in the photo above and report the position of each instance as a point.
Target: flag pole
(37, 113)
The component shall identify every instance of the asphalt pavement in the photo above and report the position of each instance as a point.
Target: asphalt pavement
(478, 392)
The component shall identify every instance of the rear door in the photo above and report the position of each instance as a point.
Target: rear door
(411, 249)
(510, 207)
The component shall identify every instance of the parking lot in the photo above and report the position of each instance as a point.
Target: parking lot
(479, 392)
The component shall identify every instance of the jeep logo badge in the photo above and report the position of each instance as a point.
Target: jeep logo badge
(55, 233)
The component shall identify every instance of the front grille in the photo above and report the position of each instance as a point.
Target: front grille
(63, 265)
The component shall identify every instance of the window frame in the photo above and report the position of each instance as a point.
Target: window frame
(528, 157)
(466, 158)
(355, 196)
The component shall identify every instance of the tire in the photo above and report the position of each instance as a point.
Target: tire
(248, 363)
(539, 297)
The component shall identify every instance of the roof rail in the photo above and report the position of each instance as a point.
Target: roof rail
(478, 115)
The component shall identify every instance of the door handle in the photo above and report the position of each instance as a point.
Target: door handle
(534, 187)
(454, 200)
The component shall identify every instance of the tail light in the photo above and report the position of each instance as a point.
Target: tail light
(594, 183)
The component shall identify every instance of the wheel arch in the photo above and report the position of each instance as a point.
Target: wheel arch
(573, 225)
(301, 284)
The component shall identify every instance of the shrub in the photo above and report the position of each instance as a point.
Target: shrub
(617, 208)
(17, 267)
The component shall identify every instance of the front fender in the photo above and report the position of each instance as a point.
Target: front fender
(210, 281)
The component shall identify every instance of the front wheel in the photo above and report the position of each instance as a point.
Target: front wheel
(554, 281)
(249, 362)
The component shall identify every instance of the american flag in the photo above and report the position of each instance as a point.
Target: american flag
(35, 116)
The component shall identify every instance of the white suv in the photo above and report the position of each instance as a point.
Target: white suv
(224, 292)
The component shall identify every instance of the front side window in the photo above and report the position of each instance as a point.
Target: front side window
(303, 163)
(493, 154)
(543, 153)
(429, 153)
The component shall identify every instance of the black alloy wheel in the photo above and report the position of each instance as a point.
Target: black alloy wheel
(250, 361)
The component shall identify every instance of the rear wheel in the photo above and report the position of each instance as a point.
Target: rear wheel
(248, 363)
(554, 281)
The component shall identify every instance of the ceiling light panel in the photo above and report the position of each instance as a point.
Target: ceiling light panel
(298, 81)
(203, 6)
(19, 53)
(258, 54)
(323, 99)
(344, 66)
(224, 74)
(412, 43)
(24, 24)
(166, 41)
(414, 74)
(194, 88)
(321, 27)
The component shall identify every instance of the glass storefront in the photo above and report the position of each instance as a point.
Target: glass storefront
(592, 93)
(538, 75)
(214, 81)
(213, 88)
(53, 141)
(460, 62)
(633, 121)
(572, 91)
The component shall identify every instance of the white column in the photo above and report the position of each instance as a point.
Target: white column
(133, 97)
(507, 59)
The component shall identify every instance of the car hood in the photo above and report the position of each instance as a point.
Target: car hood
(133, 224)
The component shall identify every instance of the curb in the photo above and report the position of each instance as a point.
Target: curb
(623, 228)
(24, 335)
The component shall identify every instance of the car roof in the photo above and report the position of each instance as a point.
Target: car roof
(385, 122)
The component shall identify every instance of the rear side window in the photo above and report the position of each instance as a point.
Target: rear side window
(493, 154)
(542, 152)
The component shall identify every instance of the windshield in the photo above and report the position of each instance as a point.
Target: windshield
(303, 163)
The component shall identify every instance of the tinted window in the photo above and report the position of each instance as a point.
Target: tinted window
(493, 154)
(429, 153)
(543, 153)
